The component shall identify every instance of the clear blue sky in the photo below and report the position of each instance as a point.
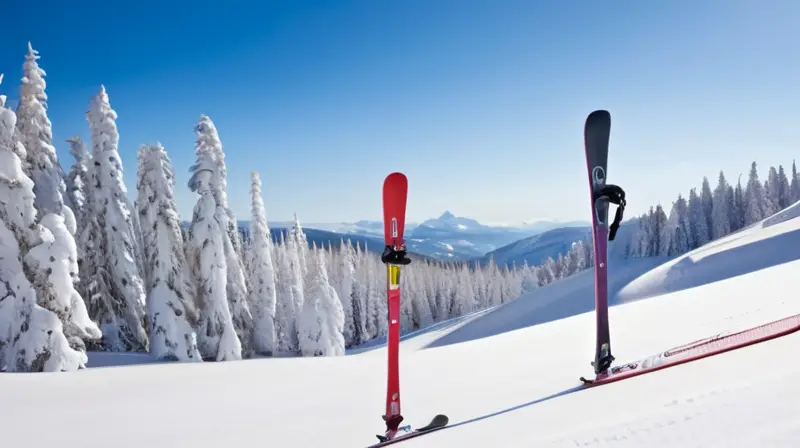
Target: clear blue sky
(481, 103)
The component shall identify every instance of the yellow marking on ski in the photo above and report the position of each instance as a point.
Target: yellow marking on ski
(394, 276)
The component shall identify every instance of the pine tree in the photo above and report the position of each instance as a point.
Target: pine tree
(737, 212)
(117, 288)
(297, 269)
(170, 292)
(723, 204)
(286, 311)
(707, 199)
(698, 225)
(77, 183)
(547, 272)
(262, 274)
(784, 189)
(361, 331)
(754, 198)
(680, 228)
(465, 295)
(322, 319)
(211, 158)
(658, 222)
(772, 191)
(205, 250)
(36, 134)
(34, 329)
(794, 187)
(346, 272)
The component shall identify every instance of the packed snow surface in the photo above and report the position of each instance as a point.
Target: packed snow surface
(506, 377)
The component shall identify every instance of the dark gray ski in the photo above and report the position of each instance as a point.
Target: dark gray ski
(596, 137)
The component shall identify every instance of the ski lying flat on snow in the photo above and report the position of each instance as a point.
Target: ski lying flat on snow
(702, 348)
(438, 422)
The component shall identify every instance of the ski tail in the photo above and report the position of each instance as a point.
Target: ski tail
(395, 192)
(439, 421)
(393, 416)
(597, 132)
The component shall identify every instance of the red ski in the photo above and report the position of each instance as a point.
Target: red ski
(395, 194)
(703, 348)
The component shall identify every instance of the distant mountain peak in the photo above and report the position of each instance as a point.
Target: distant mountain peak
(447, 215)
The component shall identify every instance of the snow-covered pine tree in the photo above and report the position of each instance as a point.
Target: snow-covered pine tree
(445, 292)
(784, 189)
(465, 295)
(421, 315)
(345, 279)
(546, 272)
(723, 204)
(697, 220)
(511, 285)
(262, 274)
(170, 291)
(286, 312)
(679, 229)
(205, 249)
(208, 150)
(772, 192)
(707, 198)
(35, 330)
(296, 268)
(118, 298)
(737, 210)
(300, 241)
(430, 289)
(36, 134)
(494, 284)
(77, 183)
(359, 293)
(658, 221)
(794, 185)
(529, 278)
(754, 198)
(376, 295)
(322, 319)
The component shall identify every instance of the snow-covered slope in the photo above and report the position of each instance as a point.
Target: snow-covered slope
(505, 378)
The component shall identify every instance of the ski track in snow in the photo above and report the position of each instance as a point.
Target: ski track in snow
(512, 383)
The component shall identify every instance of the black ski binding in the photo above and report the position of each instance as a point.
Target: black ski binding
(603, 361)
(615, 195)
(395, 255)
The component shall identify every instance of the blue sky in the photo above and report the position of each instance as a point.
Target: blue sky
(480, 103)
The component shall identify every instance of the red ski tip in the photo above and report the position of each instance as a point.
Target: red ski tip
(395, 195)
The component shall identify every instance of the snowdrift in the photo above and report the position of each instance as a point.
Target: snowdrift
(773, 241)
(564, 298)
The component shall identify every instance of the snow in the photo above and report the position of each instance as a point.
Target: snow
(509, 374)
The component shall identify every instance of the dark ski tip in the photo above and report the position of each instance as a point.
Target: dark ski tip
(600, 114)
